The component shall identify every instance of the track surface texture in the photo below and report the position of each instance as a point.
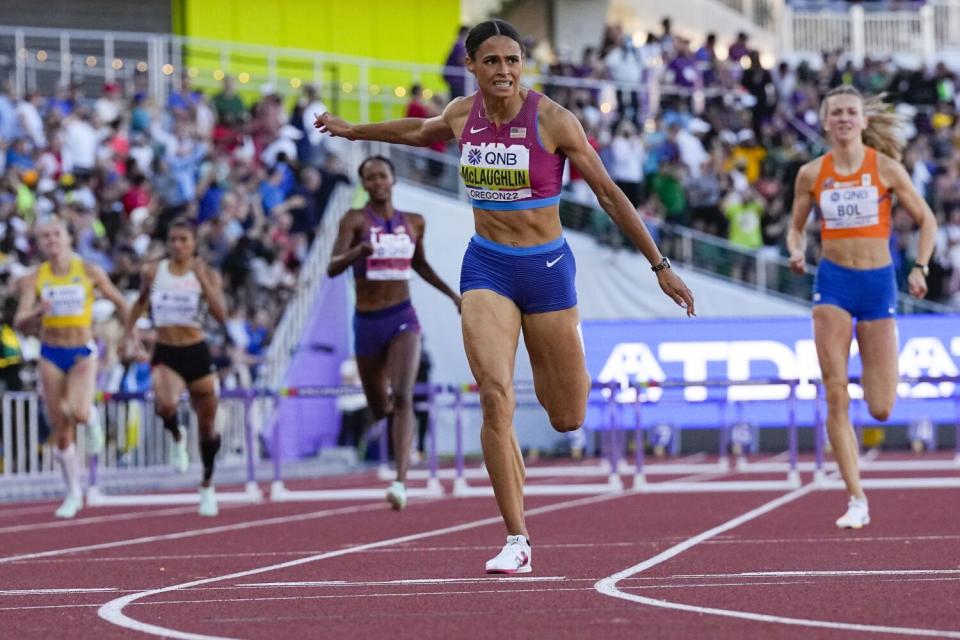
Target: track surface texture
(722, 565)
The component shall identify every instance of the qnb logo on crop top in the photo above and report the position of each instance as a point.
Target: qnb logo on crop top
(496, 171)
(851, 207)
(392, 254)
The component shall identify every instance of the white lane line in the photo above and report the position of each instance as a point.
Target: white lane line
(112, 611)
(338, 596)
(133, 515)
(831, 539)
(47, 592)
(608, 586)
(813, 574)
(384, 583)
(194, 532)
(543, 589)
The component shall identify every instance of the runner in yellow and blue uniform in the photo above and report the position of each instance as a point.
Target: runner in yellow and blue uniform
(59, 297)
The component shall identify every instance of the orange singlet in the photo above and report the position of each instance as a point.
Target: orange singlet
(855, 205)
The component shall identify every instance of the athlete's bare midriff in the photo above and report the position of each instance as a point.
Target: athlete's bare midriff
(66, 336)
(521, 227)
(179, 336)
(858, 253)
(374, 295)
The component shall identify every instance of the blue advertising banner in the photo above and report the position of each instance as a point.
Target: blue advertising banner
(760, 349)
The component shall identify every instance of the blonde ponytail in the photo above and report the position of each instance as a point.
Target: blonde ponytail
(885, 128)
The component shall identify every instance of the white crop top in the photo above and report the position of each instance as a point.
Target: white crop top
(175, 301)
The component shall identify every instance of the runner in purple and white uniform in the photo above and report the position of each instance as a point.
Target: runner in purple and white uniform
(384, 246)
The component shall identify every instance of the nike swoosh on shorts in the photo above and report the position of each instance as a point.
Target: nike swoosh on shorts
(550, 263)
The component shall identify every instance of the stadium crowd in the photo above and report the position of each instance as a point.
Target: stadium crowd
(705, 135)
(253, 177)
(701, 135)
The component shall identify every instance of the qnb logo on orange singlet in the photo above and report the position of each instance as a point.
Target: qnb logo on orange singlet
(392, 254)
(851, 207)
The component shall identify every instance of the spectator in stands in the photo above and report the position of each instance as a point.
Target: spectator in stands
(455, 73)
(309, 106)
(739, 49)
(626, 69)
(758, 82)
(11, 355)
(704, 192)
(416, 108)
(229, 106)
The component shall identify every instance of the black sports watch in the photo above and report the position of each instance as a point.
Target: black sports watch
(924, 268)
(663, 264)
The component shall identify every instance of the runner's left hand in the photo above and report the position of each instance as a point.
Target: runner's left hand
(674, 287)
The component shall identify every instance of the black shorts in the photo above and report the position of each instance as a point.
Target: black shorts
(190, 362)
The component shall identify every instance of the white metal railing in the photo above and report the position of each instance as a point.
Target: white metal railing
(135, 439)
(767, 273)
(289, 331)
(359, 88)
(922, 34)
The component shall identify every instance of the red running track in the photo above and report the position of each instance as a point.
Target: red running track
(359, 570)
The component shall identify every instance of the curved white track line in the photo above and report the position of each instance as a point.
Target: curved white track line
(608, 586)
(112, 611)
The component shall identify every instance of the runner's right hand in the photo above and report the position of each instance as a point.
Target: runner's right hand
(326, 122)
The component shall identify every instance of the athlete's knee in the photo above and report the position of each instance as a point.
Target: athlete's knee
(165, 409)
(838, 397)
(381, 408)
(880, 410)
(496, 400)
(80, 414)
(401, 402)
(565, 423)
(567, 419)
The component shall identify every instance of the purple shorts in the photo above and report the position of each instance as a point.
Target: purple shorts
(373, 331)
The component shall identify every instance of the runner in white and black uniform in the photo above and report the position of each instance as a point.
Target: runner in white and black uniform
(179, 291)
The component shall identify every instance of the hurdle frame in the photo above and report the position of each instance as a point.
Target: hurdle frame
(250, 494)
(279, 492)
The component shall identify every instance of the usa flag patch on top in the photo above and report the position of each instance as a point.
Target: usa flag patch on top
(518, 132)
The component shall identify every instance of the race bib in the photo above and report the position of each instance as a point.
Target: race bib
(496, 172)
(65, 301)
(850, 208)
(392, 255)
(175, 308)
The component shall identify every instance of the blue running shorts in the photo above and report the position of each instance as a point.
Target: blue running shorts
(538, 279)
(866, 294)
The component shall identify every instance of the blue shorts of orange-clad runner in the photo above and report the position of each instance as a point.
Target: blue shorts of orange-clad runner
(538, 279)
(866, 294)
